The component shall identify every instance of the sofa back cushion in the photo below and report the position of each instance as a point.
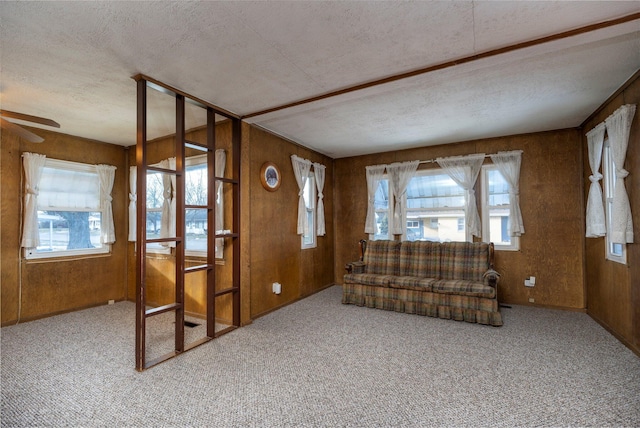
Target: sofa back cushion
(464, 260)
(420, 259)
(381, 257)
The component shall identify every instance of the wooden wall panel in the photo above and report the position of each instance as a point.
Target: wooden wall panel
(551, 202)
(613, 289)
(270, 249)
(49, 287)
(275, 253)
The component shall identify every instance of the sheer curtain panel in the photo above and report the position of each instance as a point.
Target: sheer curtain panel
(464, 171)
(106, 175)
(33, 165)
(165, 218)
(374, 174)
(133, 182)
(319, 173)
(220, 164)
(172, 217)
(618, 129)
(301, 169)
(595, 220)
(508, 163)
(400, 173)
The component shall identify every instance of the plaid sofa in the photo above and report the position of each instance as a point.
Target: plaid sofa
(452, 280)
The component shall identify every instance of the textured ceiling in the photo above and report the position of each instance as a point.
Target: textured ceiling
(73, 61)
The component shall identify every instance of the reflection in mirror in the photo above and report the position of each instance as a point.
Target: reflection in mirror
(196, 227)
(195, 119)
(161, 114)
(160, 209)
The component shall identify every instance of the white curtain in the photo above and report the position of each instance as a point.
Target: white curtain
(106, 175)
(400, 173)
(133, 182)
(374, 175)
(618, 129)
(172, 222)
(595, 220)
(508, 163)
(166, 219)
(319, 173)
(33, 164)
(220, 164)
(464, 171)
(301, 168)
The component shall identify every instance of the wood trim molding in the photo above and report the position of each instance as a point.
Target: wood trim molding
(452, 63)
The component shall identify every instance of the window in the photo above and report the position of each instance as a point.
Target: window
(159, 202)
(382, 211)
(309, 193)
(155, 200)
(70, 216)
(436, 204)
(496, 210)
(196, 193)
(615, 251)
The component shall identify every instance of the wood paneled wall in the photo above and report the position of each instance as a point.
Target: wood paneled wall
(34, 289)
(613, 289)
(551, 199)
(274, 247)
(270, 246)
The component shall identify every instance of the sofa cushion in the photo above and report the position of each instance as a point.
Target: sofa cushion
(463, 287)
(411, 283)
(368, 279)
(420, 259)
(464, 260)
(381, 257)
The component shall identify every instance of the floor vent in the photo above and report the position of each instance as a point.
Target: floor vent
(190, 324)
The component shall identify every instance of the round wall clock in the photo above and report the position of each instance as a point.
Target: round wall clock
(270, 176)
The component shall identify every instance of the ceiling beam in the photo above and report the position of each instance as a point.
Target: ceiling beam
(448, 64)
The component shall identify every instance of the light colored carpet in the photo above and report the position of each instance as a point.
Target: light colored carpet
(320, 363)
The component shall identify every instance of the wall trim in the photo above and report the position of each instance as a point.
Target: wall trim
(611, 331)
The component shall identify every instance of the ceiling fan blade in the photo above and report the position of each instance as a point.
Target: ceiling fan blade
(29, 118)
(20, 131)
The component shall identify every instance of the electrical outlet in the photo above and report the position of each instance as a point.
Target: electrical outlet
(532, 300)
(111, 302)
(276, 287)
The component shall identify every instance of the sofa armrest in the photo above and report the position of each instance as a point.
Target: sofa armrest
(355, 267)
(491, 278)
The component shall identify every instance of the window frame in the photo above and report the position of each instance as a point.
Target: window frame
(486, 212)
(105, 248)
(609, 181)
(446, 211)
